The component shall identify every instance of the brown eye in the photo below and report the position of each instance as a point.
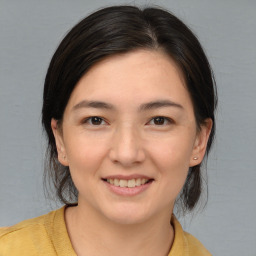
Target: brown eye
(94, 120)
(159, 120)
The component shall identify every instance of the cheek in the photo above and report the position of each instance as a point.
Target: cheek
(85, 155)
(173, 171)
(172, 158)
(173, 164)
(173, 151)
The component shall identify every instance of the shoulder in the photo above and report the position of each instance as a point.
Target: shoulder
(194, 246)
(186, 244)
(26, 237)
(22, 227)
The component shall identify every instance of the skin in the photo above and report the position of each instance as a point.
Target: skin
(128, 141)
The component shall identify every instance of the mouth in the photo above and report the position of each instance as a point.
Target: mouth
(128, 186)
(128, 183)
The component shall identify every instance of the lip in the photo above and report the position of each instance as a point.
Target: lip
(125, 191)
(127, 177)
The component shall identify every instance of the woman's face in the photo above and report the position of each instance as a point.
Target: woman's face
(129, 137)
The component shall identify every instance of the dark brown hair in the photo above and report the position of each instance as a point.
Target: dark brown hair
(117, 30)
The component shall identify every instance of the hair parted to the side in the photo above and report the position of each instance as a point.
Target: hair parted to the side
(116, 30)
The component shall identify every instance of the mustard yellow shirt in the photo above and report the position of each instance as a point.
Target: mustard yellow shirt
(47, 235)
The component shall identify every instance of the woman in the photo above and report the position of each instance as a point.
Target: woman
(128, 109)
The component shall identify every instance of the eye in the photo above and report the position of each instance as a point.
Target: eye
(94, 120)
(161, 120)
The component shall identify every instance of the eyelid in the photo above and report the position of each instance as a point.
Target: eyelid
(87, 119)
(168, 119)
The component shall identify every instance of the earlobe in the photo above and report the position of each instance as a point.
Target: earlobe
(201, 143)
(62, 157)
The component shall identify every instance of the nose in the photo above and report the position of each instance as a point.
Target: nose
(127, 147)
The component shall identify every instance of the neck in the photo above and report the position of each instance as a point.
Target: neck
(91, 234)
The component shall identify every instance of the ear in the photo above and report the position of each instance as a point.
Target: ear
(200, 144)
(62, 157)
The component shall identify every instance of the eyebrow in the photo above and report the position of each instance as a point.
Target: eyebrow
(143, 107)
(93, 104)
(159, 104)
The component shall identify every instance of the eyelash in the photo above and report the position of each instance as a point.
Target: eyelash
(166, 119)
(90, 118)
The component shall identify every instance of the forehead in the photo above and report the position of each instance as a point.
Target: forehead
(132, 77)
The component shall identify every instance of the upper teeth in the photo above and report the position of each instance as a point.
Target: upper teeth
(127, 183)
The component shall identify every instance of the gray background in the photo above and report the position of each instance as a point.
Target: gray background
(30, 32)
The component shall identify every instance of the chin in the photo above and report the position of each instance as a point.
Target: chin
(127, 215)
(127, 219)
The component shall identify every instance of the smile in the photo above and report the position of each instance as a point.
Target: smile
(132, 183)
